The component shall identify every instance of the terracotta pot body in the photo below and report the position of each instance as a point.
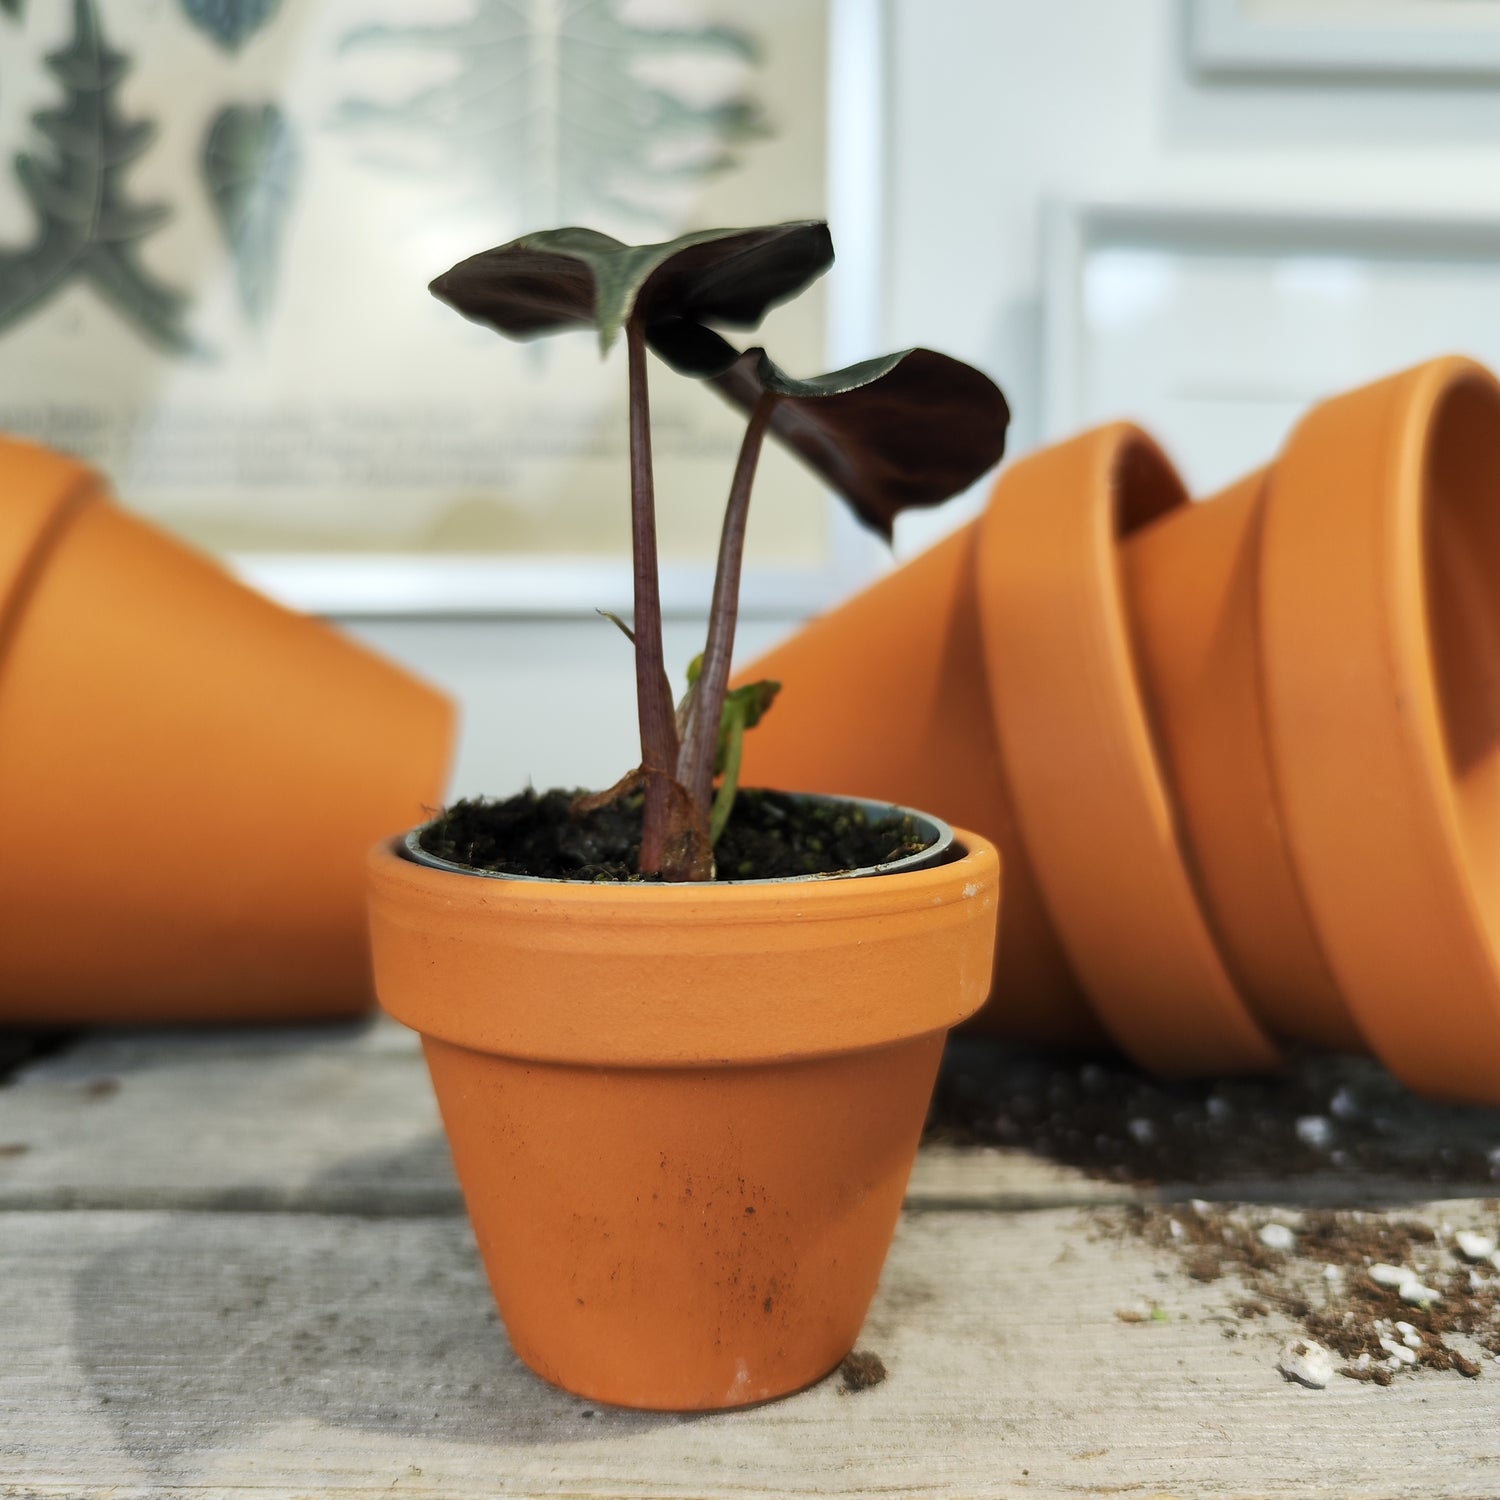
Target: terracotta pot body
(683, 1116)
(1380, 645)
(888, 697)
(158, 724)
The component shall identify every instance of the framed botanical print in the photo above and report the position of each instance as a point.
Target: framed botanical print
(218, 219)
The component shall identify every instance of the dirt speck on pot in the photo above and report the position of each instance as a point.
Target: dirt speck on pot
(861, 1370)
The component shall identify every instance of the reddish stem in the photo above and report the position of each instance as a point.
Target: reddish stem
(652, 690)
(695, 761)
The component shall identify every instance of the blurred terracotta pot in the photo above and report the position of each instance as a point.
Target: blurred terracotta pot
(683, 1116)
(1091, 796)
(159, 723)
(1380, 662)
(889, 697)
(1193, 580)
(992, 680)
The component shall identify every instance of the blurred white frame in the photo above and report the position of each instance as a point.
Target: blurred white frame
(533, 586)
(1216, 327)
(1370, 38)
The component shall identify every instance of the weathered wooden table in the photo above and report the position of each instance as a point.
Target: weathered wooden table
(236, 1264)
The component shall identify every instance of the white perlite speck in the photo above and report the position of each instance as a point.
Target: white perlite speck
(1307, 1363)
(1474, 1246)
(1142, 1131)
(1399, 1353)
(1277, 1237)
(1315, 1131)
(1418, 1295)
(1409, 1335)
(1386, 1275)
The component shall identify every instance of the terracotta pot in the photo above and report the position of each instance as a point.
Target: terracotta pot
(1380, 631)
(683, 1116)
(1094, 806)
(1193, 581)
(158, 723)
(888, 697)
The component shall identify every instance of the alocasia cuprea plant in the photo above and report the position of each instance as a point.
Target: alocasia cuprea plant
(908, 429)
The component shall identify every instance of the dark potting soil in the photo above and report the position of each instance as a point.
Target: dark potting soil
(862, 1369)
(1340, 1119)
(770, 836)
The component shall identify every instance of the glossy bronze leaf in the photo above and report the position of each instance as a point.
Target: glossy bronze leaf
(905, 430)
(579, 278)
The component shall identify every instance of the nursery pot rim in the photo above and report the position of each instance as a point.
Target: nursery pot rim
(939, 851)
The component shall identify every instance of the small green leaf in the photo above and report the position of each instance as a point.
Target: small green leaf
(619, 625)
(744, 708)
(904, 430)
(572, 278)
(251, 165)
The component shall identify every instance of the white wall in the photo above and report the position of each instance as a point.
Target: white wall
(995, 107)
(1000, 105)
(549, 702)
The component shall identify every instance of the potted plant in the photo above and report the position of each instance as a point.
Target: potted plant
(683, 1108)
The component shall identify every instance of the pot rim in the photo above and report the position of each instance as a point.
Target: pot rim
(939, 851)
(42, 501)
(581, 974)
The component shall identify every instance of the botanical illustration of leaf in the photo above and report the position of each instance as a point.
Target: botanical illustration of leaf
(87, 228)
(548, 106)
(231, 23)
(250, 167)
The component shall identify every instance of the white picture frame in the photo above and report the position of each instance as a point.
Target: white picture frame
(1245, 315)
(1439, 39)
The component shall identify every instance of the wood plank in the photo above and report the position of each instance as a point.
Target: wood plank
(275, 1355)
(330, 1120)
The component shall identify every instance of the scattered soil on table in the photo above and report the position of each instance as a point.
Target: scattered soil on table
(861, 1370)
(770, 836)
(1445, 1317)
(1344, 1118)
(1342, 1127)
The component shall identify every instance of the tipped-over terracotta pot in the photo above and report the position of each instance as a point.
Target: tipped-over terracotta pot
(888, 697)
(1094, 804)
(159, 723)
(683, 1116)
(1380, 630)
(991, 679)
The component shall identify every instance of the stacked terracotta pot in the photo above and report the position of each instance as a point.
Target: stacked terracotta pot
(1241, 757)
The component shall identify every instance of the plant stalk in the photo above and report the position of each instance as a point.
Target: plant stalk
(695, 760)
(659, 746)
